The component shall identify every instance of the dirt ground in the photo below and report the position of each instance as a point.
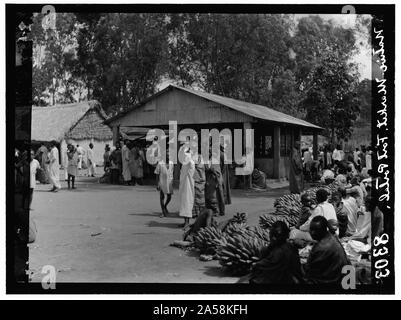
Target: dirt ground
(106, 233)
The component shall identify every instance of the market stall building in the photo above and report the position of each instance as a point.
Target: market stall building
(274, 132)
(77, 123)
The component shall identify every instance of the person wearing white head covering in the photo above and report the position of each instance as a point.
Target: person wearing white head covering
(186, 191)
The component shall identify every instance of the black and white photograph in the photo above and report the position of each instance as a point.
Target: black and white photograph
(199, 149)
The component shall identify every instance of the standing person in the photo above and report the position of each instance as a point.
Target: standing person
(362, 156)
(200, 181)
(164, 175)
(43, 155)
(91, 161)
(54, 167)
(225, 176)
(115, 164)
(81, 153)
(337, 157)
(329, 160)
(34, 166)
(106, 158)
(125, 163)
(296, 168)
(72, 168)
(136, 163)
(187, 187)
(357, 160)
(308, 163)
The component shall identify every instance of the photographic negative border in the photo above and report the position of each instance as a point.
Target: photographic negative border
(384, 19)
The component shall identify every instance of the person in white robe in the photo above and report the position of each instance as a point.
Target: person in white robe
(125, 161)
(91, 161)
(186, 191)
(54, 168)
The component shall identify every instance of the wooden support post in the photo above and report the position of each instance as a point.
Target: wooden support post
(116, 134)
(247, 141)
(315, 146)
(276, 152)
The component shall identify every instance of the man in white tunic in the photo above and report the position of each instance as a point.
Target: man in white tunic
(125, 160)
(91, 161)
(54, 167)
(187, 187)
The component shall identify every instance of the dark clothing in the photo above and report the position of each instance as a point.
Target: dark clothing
(280, 265)
(342, 219)
(325, 262)
(377, 222)
(115, 176)
(200, 180)
(214, 196)
(116, 158)
(296, 176)
(305, 214)
(225, 171)
(106, 160)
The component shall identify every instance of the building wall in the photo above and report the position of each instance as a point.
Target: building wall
(182, 107)
(266, 165)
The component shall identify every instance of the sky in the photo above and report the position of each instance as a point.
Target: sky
(364, 57)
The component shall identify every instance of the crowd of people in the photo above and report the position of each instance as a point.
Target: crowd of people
(125, 164)
(204, 187)
(351, 213)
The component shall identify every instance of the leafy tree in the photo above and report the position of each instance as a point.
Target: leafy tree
(120, 55)
(54, 57)
(332, 100)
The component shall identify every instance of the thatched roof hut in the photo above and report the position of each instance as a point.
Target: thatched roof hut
(77, 121)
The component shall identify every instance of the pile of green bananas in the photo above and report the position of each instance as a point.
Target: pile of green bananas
(266, 220)
(241, 250)
(208, 239)
(235, 228)
(289, 204)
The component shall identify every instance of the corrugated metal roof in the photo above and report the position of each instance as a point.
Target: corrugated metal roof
(254, 110)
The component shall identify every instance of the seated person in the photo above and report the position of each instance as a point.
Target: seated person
(371, 222)
(341, 178)
(357, 191)
(342, 214)
(327, 176)
(323, 208)
(306, 210)
(280, 262)
(351, 208)
(327, 257)
(205, 219)
(258, 179)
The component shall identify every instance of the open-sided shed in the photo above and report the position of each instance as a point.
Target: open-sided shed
(274, 132)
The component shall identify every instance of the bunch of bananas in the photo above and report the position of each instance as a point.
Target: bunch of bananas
(266, 220)
(234, 228)
(239, 218)
(241, 250)
(289, 204)
(208, 239)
